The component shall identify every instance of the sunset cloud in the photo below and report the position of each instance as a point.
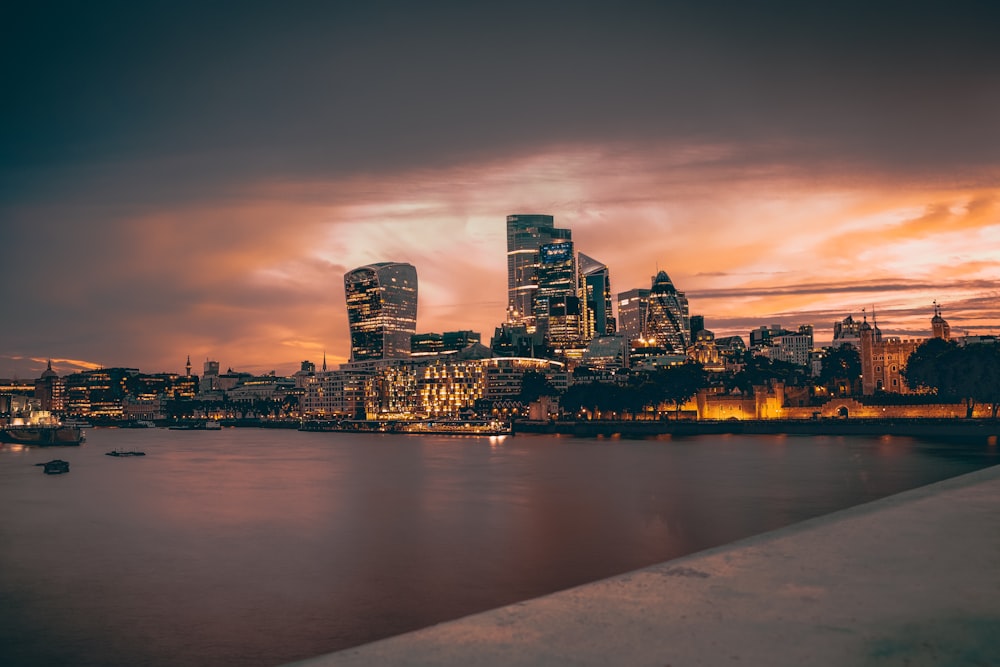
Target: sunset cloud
(790, 166)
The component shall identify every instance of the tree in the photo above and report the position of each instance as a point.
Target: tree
(678, 384)
(534, 385)
(841, 370)
(971, 373)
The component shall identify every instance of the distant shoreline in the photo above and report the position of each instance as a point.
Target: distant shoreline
(971, 430)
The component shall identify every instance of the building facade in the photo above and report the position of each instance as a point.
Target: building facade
(595, 292)
(667, 316)
(526, 234)
(557, 310)
(632, 308)
(381, 310)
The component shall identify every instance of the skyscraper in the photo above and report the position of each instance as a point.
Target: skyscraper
(381, 310)
(667, 319)
(595, 286)
(632, 307)
(525, 235)
(557, 300)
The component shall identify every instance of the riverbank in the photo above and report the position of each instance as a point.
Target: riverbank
(907, 580)
(965, 430)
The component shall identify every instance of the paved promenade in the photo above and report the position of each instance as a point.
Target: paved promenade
(913, 579)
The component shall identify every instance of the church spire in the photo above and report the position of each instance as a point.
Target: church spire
(324, 361)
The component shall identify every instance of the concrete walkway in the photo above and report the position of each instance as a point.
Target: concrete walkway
(913, 579)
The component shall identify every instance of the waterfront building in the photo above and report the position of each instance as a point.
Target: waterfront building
(99, 393)
(50, 390)
(883, 360)
(595, 287)
(210, 377)
(335, 394)
(381, 310)
(667, 316)
(632, 308)
(526, 234)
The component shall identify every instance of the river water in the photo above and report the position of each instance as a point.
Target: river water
(258, 547)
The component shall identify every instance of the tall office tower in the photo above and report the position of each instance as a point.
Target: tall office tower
(525, 235)
(595, 285)
(697, 324)
(557, 300)
(632, 307)
(667, 320)
(381, 310)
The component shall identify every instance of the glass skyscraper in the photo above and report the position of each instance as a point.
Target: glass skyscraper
(525, 235)
(595, 283)
(381, 310)
(632, 307)
(557, 300)
(667, 316)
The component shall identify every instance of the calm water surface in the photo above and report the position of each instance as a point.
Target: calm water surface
(258, 547)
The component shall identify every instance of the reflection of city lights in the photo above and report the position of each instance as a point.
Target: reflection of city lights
(497, 440)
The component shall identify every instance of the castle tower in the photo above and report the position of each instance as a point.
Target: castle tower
(939, 325)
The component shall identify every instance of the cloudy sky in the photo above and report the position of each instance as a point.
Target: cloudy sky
(195, 179)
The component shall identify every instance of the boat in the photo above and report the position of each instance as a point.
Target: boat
(73, 422)
(43, 436)
(207, 425)
(55, 467)
(120, 452)
(40, 427)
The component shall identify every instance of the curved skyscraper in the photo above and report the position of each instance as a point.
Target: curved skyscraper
(667, 318)
(381, 310)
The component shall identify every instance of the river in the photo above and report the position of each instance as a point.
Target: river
(259, 547)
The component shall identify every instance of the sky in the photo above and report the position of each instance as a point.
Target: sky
(195, 178)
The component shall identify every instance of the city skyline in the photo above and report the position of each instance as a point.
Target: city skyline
(788, 166)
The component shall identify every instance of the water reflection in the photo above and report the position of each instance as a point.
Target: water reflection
(261, 547)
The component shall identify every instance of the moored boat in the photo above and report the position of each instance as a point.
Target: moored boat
(42, 435)
(120, 452)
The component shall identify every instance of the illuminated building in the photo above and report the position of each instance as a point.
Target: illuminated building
(595, 285)
(607, 352)
(513, 340)
(791, 346)
(210, 377)
(883, 360)
(705, 352)
(381, 310)
(557, 299)
(526, 234)
(632, 308)
(50, 390)
(697, 324)
(428, 344)
(847, 332)
(667, 316)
